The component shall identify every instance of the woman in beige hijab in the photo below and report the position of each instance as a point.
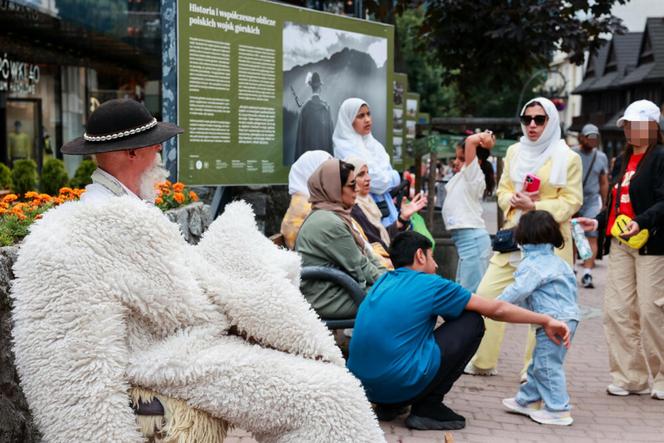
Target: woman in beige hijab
(367, 214)
(329, 238)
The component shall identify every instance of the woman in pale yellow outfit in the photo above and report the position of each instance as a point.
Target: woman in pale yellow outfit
(300, 207)
(543, 153)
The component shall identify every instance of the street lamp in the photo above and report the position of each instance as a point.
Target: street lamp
(554, 85)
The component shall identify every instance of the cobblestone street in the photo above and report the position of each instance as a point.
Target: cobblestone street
(598, 416)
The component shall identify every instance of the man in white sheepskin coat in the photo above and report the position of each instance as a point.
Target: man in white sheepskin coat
(108, 294)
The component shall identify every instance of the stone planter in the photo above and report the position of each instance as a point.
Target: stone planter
(16, 423)
(193, 219)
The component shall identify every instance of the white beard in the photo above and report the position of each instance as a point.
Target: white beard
(150, 178)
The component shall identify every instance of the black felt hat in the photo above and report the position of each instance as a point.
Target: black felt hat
(118, 125)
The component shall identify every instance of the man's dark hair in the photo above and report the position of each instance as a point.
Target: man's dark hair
(538, 227)
(405, 245)
(344, 171)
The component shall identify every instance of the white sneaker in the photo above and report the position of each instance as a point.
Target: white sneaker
(512, 406)
(617, 390)
(471, 369)
(545, 417)
(657, 395)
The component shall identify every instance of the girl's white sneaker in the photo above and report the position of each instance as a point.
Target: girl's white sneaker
(563, 418)
(657, 395)
(512, 405)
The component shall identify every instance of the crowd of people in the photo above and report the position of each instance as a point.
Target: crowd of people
(415, 332)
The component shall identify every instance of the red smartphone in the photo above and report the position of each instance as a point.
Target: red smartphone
(531, 183)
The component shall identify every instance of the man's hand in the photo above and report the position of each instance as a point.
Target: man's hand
(524, 200)
(632, 229)
(588, 224)
(408, 209)
(555, 329)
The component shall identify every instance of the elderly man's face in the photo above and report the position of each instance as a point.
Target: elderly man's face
(148, 163)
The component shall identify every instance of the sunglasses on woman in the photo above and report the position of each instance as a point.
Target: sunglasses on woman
(539, 119)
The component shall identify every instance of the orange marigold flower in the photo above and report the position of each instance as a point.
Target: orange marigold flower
(9, 198)
(38, 216)
(158, 201)
(167, 183)
(193, 196)
(45, 197)
(178, 187)
(31, 194)
(66, 190)
(178, 197)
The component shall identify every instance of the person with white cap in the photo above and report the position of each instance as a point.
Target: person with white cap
(634, 299)
(595, 184)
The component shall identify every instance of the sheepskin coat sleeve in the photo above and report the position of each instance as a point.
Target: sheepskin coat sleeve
(110, 295)
(93, 285)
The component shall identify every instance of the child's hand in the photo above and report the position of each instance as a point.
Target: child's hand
(588, 224)
(555, 329)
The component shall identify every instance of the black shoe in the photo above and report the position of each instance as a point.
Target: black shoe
(587, 281)
(389, 413)
(435, 418)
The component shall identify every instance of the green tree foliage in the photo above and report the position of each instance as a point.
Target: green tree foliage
(423, 68)
(488, 45)
(24, 176)
(53, 177)
(5, 177)
(82, 176)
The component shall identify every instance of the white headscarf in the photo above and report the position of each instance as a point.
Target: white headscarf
(302, 169)
(531, 155)
(347, 142)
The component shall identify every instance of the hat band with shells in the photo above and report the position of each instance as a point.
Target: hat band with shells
(104, 138)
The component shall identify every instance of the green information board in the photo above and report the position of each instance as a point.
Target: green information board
(399, 91)
(259, 83)
(412, 112)
(445, 145)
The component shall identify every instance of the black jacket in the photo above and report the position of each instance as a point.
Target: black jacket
(646, 192)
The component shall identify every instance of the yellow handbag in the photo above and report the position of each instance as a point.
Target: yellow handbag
(620, 225)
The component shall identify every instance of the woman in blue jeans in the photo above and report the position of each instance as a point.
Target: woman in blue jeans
(462, 209)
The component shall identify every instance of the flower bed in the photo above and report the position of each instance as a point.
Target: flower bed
(17, 214)
(173, 195)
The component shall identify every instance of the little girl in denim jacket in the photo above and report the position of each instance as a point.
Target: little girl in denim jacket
(544, 283)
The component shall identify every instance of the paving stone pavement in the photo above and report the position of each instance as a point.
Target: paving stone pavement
(598, 417)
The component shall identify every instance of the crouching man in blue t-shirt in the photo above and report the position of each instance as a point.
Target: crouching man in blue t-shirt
(399, 356)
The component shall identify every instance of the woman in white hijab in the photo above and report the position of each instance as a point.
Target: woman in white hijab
(540, 152)
(352, 137)
(299, 206)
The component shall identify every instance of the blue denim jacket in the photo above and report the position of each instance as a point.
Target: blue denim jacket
(544, 283)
